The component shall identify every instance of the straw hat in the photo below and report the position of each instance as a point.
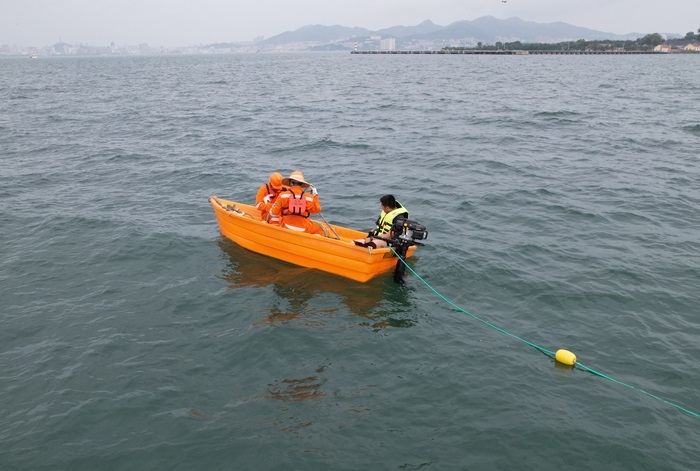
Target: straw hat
(296, 176)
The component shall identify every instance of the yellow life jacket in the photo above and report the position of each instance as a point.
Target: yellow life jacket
(386, 220)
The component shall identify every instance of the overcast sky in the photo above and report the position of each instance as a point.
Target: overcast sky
(190, 22)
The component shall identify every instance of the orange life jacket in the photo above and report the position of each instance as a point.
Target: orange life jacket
(296, 206)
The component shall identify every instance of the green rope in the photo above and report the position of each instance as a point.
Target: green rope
(542, 349)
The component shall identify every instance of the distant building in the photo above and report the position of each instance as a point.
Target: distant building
(387, 44)
(61, 48)
(678, 45)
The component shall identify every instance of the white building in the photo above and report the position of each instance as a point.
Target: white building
(387, 44)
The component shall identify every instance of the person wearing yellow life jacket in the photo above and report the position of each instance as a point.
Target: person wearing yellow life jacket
(293, 205)
(391, 209)
(267, 194)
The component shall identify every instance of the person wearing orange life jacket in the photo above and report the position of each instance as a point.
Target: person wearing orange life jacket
(391, 209)
(293, 206)
(267, 194)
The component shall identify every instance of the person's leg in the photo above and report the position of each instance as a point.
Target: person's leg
(312, 227)
(379, 243)
(375, 243)
(365, 242)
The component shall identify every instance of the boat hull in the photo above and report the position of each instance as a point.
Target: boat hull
(335, 253)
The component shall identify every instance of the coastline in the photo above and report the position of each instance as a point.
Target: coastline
(509, 52)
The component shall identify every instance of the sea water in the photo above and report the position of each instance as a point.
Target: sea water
(562, 199)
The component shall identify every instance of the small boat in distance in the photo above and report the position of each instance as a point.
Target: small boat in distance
(333, 253)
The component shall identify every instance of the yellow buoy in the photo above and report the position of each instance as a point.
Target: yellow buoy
(565, 356)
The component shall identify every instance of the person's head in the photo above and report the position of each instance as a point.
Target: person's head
(389, 203)
(296, 178)
(276, 181)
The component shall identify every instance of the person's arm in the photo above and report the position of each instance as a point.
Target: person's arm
(313, 206)
(260, 197)
(281, 202)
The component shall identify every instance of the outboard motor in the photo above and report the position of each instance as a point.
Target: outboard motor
(405, 233)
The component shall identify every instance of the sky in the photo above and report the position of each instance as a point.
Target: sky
(172, 23)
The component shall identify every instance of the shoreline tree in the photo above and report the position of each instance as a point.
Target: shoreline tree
(645, 43)
(691, 35)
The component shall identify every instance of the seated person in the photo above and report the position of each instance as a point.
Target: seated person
(391, 209)
(293, 205)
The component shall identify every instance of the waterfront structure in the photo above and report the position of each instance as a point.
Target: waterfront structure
(679, 45)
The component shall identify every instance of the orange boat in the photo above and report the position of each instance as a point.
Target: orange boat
(333, 253)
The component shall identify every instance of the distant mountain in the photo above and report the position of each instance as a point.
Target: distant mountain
(425, 27)
(515, 29)
(458, 30)
(318, 33)
(487, 29)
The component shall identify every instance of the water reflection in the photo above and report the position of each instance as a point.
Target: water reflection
(380, 301)
(296, 389)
